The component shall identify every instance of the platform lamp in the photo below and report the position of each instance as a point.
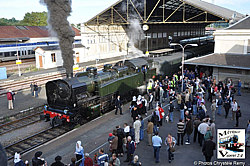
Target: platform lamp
(18, 61)
(182, 61)
(145, 27)
(147, 53)
(96, 62)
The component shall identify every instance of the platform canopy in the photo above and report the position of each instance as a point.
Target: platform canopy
(233, 61)
(163, 12)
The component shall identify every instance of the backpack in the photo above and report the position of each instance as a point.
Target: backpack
(35, 87)
(9, 96)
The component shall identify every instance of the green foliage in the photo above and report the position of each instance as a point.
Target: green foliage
(12, 21)
(35, 19)
(30, 19)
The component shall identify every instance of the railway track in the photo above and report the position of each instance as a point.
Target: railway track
(20, 123)
(35, 140)
(8, 63)
(25, 84)
(21, 85)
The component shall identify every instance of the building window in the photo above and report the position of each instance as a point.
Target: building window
(6, 54)
(14, 53)
(159, 35)
(164, 34)
(154, 35)
(53, 57)
(148, 34)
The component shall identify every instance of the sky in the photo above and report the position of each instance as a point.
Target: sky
(83, 10)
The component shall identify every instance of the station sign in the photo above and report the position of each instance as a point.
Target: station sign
(18, 62)
(76, 67)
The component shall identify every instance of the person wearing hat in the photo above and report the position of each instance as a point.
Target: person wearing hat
(133, 103)
(144, 105)
(79, 151)
(17, 160)
(88, 161)
(58, 161)
(37, 160)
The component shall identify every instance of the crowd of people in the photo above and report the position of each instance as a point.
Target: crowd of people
(188, 96)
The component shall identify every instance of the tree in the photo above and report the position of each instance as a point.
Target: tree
(35, 19)
(12, 21)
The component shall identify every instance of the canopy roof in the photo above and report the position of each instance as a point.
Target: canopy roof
(163, 12)
(235, 61)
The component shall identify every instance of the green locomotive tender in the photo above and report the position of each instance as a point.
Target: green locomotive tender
(90, 94)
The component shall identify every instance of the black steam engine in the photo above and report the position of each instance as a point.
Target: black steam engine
(90, 94)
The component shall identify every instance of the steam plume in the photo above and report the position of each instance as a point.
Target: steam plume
(134, 30)
(58, 11)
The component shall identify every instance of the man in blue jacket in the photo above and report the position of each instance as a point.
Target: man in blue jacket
(130, 149)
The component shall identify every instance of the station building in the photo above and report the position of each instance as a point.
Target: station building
(138, 26)
(231, 55)
(50, 56)
(22, 40)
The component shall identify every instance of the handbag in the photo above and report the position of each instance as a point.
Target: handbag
(163, 114)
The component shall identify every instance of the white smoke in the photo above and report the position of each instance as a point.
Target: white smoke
(58, 12)
(134, 31)
(135, 34)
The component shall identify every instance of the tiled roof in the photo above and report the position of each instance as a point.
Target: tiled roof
(77, 31)
(7, 32)
(237, 61)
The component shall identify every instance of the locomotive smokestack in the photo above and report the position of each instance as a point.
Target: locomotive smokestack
(58, 11)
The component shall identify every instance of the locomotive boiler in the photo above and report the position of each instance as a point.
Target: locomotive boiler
(90, 94)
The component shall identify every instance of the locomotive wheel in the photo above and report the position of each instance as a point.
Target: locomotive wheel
(78, 119)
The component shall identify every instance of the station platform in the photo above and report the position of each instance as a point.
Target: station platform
(94, 135)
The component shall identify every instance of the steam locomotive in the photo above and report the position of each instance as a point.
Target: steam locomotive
(89, 94)
(232, 144)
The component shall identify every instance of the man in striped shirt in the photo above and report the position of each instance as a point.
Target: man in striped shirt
(102, 157)
(180, 132)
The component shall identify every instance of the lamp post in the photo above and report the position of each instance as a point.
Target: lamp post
(96, 60)
(182, 61)
(18, 62)
(147, 53)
